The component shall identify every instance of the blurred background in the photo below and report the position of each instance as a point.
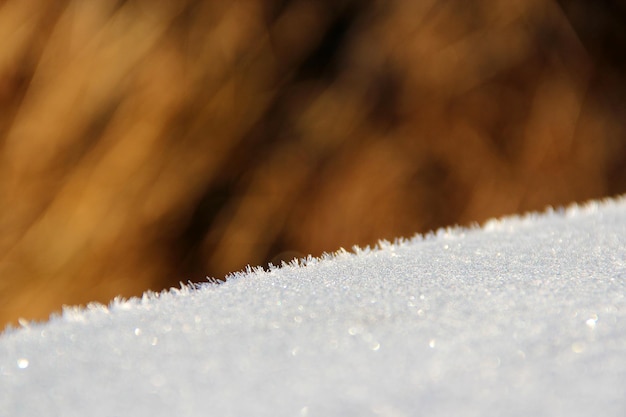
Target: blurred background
(148, 142)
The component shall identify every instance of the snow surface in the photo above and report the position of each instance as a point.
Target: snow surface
(525, 316)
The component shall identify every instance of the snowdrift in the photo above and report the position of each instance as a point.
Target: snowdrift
(523, 316)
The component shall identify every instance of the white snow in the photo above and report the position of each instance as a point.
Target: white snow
(526, 316)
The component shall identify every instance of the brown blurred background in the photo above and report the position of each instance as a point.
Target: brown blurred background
(148, 142)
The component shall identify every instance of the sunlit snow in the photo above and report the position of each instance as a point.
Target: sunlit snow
(523, 317)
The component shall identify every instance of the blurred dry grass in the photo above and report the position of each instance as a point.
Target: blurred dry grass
(147, 142)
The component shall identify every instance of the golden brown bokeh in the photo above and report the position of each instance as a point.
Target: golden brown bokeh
(143, 143)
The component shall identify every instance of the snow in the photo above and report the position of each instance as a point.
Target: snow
(524, 316)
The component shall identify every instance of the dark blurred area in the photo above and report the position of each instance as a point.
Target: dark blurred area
(143, 143)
